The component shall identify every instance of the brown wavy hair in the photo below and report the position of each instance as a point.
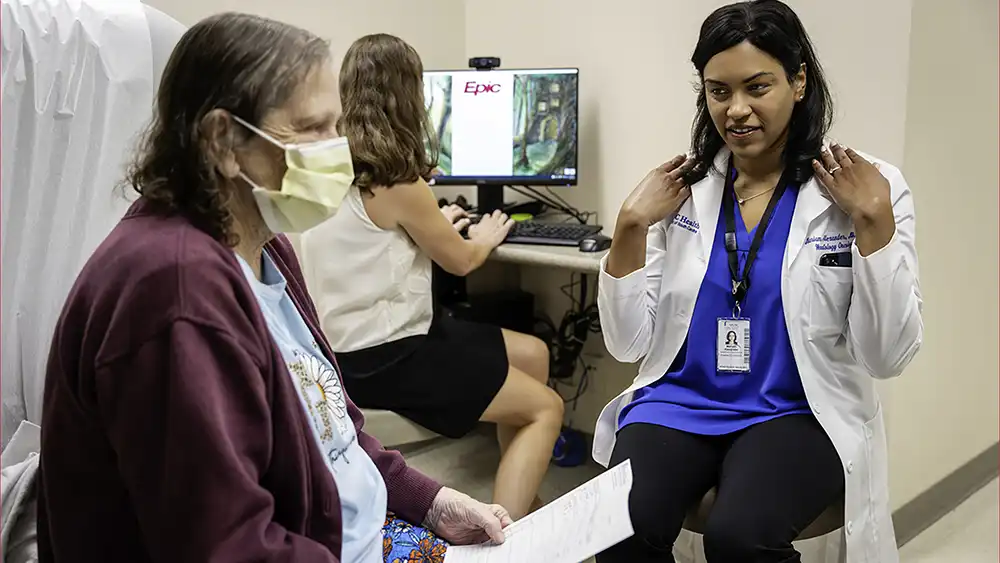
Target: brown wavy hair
(384, 119)
(244, 64)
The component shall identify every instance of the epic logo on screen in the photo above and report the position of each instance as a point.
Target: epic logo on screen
(475, 88)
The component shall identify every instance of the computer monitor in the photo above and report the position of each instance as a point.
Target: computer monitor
(504, 127)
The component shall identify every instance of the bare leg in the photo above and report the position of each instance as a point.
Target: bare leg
(529, 416)
(530, 355)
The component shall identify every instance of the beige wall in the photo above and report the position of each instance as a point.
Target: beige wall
(435, 28)
(944, 409)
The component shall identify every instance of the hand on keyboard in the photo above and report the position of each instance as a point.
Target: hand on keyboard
(491, 229)
(457, 216)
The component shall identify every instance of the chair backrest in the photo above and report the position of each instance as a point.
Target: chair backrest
(78, 81)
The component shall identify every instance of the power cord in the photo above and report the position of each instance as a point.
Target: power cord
(555, 202)
(571, 446)
(566, 341)
(550, 200)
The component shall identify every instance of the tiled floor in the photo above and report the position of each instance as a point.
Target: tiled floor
(968, 535)
(469, 465)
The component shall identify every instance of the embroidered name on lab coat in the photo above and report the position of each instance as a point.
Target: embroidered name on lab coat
(831, 241)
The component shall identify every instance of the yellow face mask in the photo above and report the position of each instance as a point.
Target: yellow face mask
(318, 178)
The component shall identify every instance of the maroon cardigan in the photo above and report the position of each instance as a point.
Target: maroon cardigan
(171, 430)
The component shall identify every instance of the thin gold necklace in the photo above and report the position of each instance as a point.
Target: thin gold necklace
(742, 200)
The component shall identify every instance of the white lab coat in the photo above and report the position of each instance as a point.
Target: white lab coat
(848, 327)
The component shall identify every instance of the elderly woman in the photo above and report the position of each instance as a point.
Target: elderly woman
(193, 409)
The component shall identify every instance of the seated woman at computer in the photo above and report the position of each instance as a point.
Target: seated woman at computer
(765, 282)
(370, 271)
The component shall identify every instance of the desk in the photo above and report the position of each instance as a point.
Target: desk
(565, 257)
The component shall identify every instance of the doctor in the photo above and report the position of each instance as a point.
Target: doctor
(806, 253)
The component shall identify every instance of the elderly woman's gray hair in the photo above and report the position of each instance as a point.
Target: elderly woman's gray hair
(244, 64)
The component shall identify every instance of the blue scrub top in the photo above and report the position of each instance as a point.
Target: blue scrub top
(693, 396)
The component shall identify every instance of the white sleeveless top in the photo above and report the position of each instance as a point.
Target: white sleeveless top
(370, 285)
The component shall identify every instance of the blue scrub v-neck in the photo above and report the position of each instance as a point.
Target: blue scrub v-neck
(693, 396)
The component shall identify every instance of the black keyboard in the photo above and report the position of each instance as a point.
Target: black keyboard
(552, 234)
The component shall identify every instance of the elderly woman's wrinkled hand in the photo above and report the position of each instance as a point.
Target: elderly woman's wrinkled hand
(463, 520)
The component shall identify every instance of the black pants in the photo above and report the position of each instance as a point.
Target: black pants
(773, 480)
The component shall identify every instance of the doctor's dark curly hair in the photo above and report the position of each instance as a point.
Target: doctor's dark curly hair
(244, 64)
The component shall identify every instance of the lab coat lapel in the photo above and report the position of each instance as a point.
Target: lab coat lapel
(707, 198)
(813, 201)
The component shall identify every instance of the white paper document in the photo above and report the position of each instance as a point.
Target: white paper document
(578, 525)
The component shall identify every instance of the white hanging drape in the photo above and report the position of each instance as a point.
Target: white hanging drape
(78, 82)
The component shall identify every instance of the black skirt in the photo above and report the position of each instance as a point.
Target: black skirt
(443, 381)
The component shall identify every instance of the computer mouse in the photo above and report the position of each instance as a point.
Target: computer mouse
(595, 243)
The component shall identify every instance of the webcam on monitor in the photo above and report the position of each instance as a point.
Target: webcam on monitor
(484, 63)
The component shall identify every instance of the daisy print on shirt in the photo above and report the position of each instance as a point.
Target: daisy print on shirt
(323, 395)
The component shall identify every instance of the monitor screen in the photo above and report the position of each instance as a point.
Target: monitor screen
(516, 127)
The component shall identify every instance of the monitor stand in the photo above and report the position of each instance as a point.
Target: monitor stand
(489, 199)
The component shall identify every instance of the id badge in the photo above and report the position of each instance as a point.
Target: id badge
(732, 349)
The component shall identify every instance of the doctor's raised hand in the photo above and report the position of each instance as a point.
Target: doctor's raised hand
(659, 195)
(861, 192)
